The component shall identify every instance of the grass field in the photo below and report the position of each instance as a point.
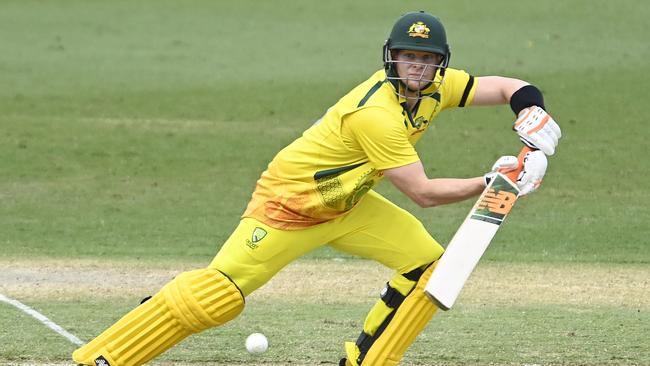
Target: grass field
(132, 133)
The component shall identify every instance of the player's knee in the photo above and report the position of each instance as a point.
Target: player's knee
(414, 271)
(432, 253)
(202, 299)
(421, 250)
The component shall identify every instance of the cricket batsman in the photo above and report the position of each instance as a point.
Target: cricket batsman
(318, 191)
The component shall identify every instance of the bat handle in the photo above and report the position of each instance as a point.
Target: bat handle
(513, 174)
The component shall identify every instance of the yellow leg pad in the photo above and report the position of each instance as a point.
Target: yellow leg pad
(352, 351)
(409, 320)
(192, 302)
(380, 311)
(378, 315)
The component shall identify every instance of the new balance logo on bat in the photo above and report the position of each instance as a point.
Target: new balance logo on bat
(495, 203)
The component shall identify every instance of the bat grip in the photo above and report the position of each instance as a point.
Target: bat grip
(513, 174)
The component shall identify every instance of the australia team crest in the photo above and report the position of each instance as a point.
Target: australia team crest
(258, 234)
(419, 29)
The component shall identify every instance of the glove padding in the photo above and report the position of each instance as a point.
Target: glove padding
(530, 165)
(532, 173)
(504, 164)
(537, 129)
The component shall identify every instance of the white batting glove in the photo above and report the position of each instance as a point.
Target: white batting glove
(537, 129)
(503, 165)
(532, 174)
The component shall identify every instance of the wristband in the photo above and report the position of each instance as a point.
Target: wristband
(525, 97)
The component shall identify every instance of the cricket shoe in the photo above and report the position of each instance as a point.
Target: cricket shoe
(99, 361)
(344, 362)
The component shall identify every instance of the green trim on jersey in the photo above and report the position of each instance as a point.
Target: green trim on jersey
(370, 93)
(329, 172)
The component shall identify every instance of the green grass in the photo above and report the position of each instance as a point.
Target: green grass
(545, 335)
(136, 131)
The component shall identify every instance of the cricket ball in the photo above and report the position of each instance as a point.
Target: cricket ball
(257, 343)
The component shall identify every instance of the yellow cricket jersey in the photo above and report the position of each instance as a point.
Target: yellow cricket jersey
(325, 172)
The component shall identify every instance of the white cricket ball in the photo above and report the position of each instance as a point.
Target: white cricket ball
(257, 343)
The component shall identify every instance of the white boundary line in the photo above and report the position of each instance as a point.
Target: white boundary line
(42, 318)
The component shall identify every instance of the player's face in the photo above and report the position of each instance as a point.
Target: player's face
(416, 68)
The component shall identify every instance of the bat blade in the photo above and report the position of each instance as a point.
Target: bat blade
(470, 241)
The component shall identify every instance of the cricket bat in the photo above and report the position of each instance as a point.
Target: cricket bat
(472, 239)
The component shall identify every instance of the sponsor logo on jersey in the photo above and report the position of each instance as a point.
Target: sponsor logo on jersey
(419, 29)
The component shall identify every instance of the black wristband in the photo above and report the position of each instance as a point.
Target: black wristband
(525, 97)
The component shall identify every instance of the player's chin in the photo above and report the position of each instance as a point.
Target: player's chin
(414, 85)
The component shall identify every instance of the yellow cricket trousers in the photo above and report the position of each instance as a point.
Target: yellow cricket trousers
(374, 229)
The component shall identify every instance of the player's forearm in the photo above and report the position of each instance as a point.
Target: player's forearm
(442, 191)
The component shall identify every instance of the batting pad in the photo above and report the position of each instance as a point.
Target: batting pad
(192, 302)
(409, 320)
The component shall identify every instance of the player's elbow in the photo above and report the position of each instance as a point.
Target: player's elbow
(424, 200)
(426, 203)
(422, 196)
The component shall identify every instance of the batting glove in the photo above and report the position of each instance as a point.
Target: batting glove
(531, 176)
(504, 164)
(537, 129)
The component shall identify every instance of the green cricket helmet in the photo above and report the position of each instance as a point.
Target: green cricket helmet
(417, 31)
